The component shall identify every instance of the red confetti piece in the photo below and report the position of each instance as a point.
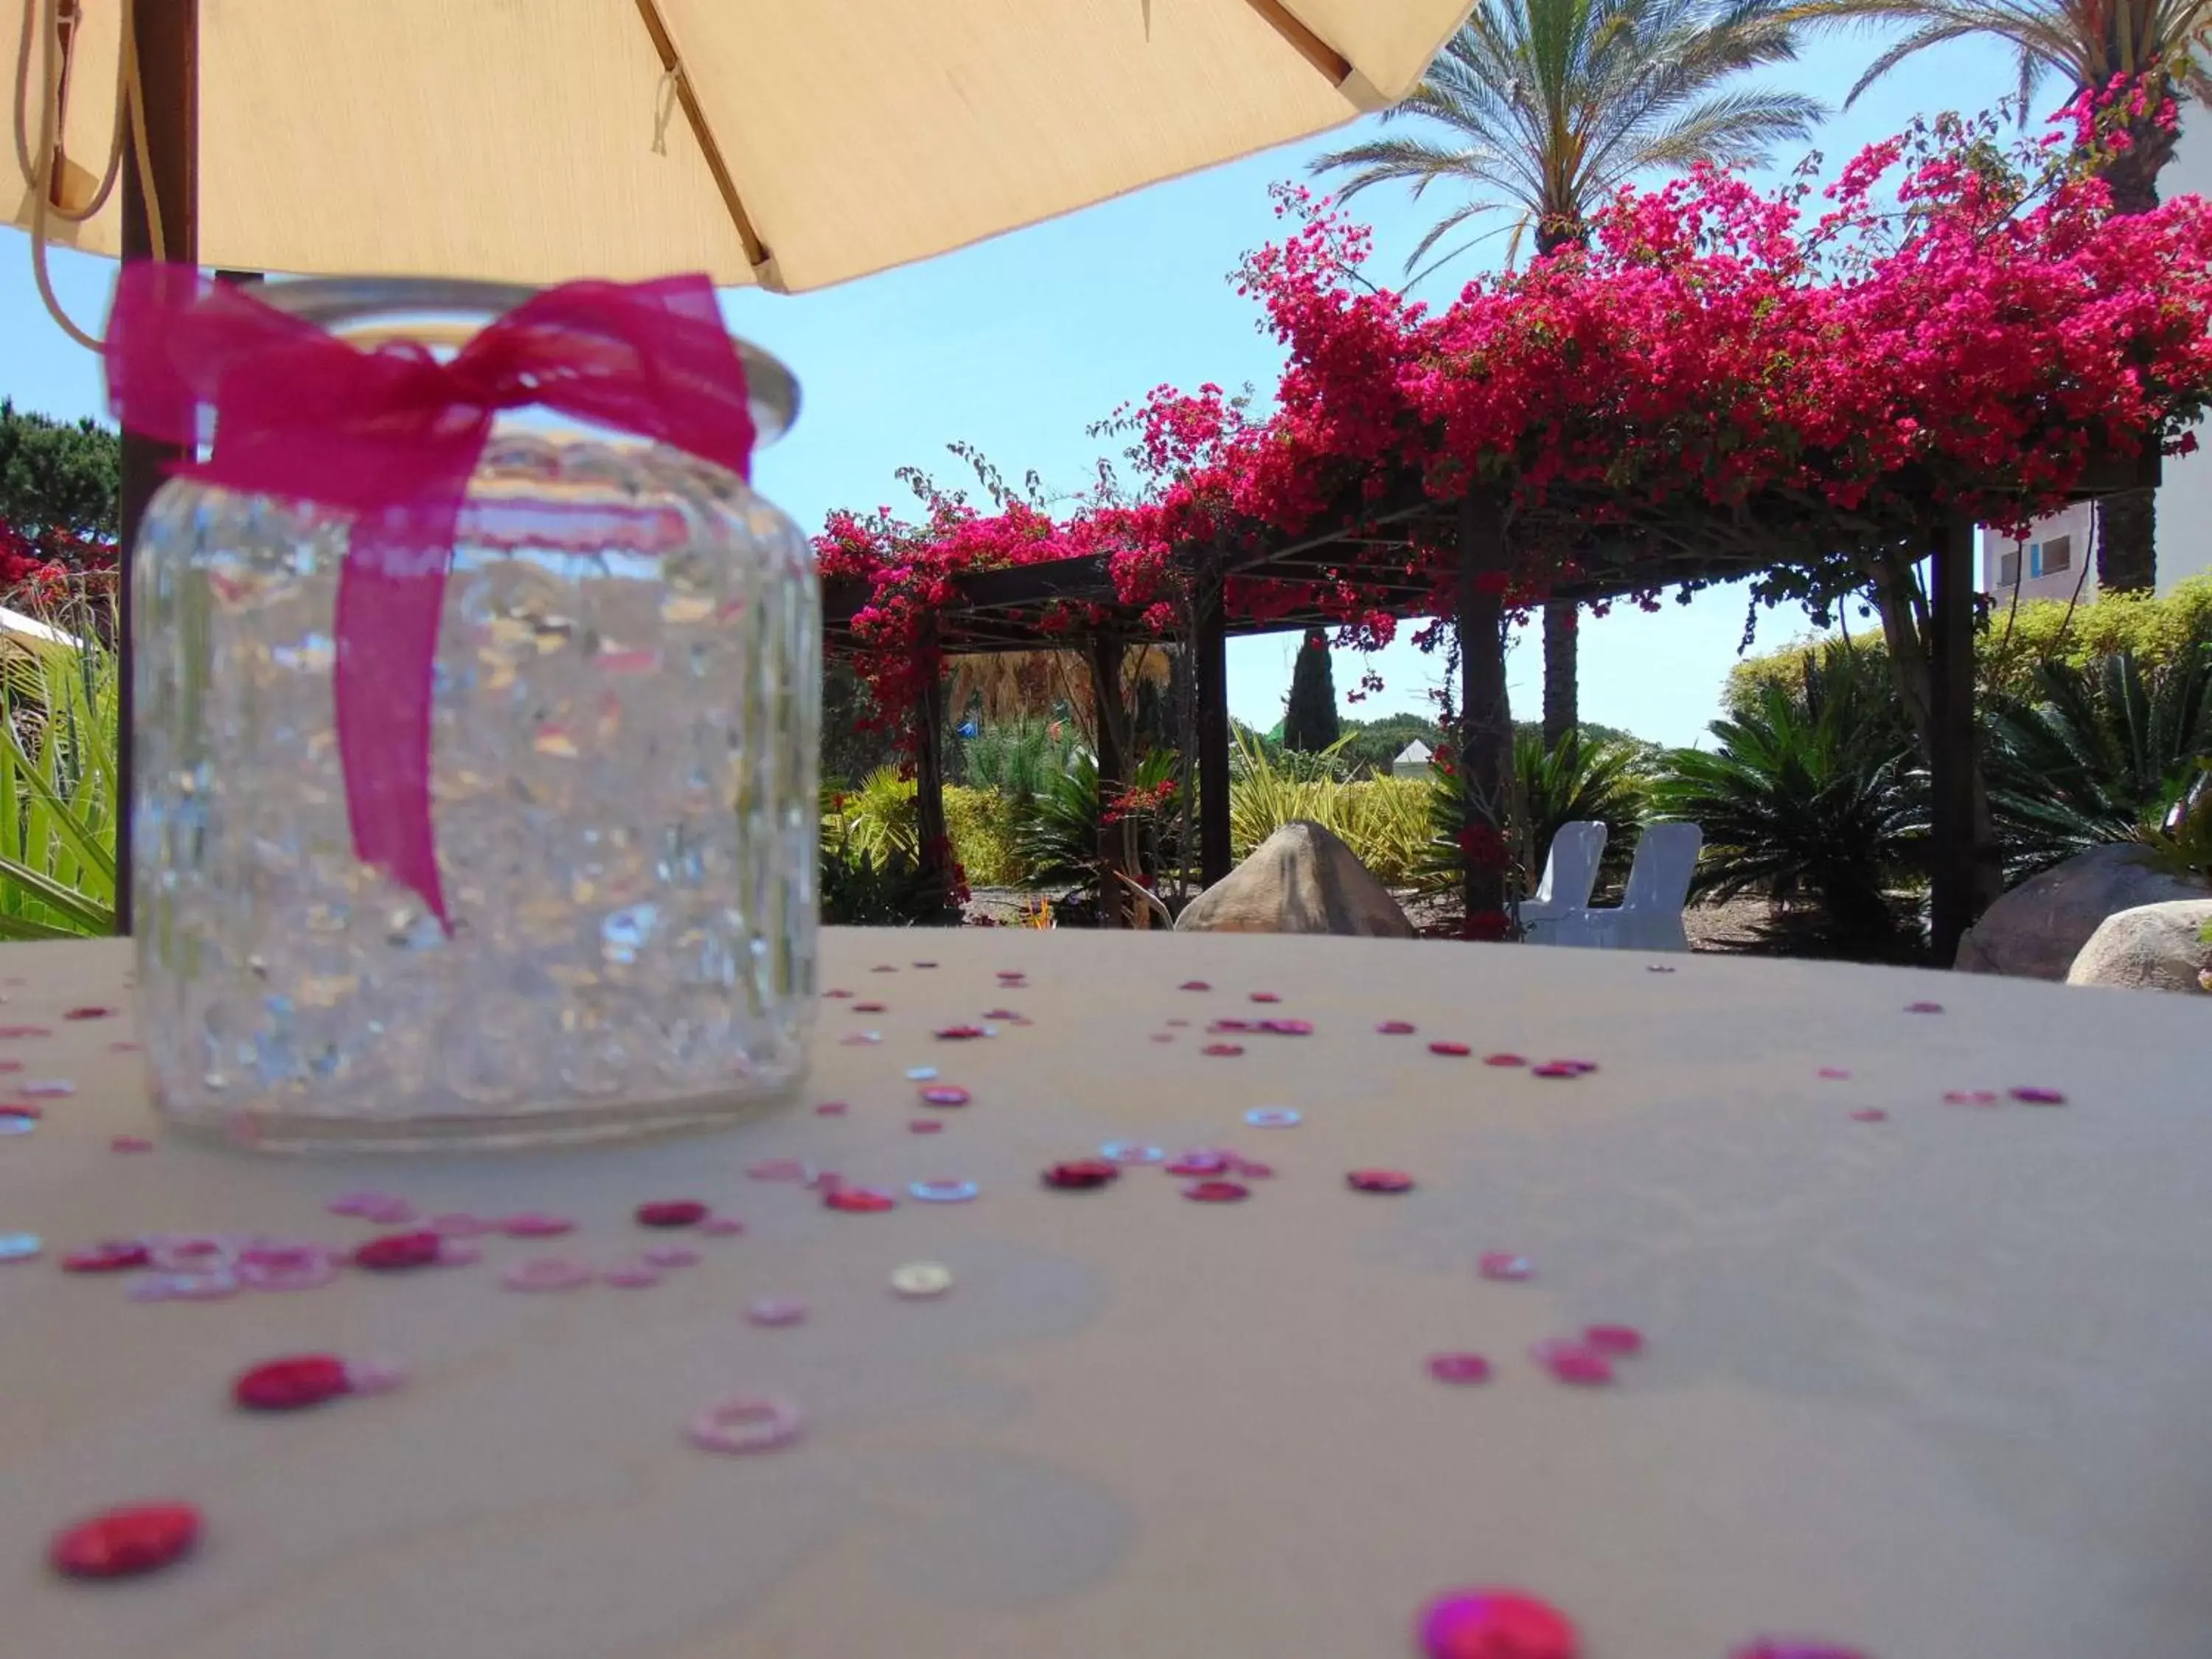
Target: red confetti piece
(671, 1213)
(1445, 1046)
(1573, 1362)
(1379, 1181)
(1555, 1068)
(10, 1066)
(925, 1126)
(1870, 1114)
(1216, 1191)
(946, 1094)
(721, 1226)
(1164, 1037)
(130, 1144)
(2038, 1096)
(92, 1014)
(15, 1031)
(924, 964)
(1082, 1175)
(870, 1008)
(1234, 1026)
(1970, 1098)
(859, 1201)
(832, 1109)
(778, 1169)
(1287, 1027)
(1178, 1024)
(1265, 996)
(396, 1252)
(838, 996)
(1923, 1007)
(533, 1225)
(1001, 1013)
(961, 1033)
(1251, 1169)
(1222, 1049)
(1194, 985)
(1396, 1028)
(1834, 1074)
(1504, 1265)
(1459, 1368)
(288, 1385)
(1199, 1164)
(1504, 1059)
(22, 1111)
(1496, 1624)
(126, 1543)
(1622, 1340)
(883, 968)
(118, 1256)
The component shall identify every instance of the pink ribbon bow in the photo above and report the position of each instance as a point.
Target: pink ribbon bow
(390, 437)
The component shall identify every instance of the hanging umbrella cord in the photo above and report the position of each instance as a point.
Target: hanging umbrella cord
(54, 49)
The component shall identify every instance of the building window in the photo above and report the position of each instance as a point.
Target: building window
(2049, 558)
(2008, 568)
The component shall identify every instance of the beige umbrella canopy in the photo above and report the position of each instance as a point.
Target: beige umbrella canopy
(793, 143)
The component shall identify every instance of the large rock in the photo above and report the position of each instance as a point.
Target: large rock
(2154, 947)
(1302, 880)
(2035, 931)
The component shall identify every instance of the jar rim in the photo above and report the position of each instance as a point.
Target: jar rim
(772, 391)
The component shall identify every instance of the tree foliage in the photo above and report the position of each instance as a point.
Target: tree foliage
(1309, 721)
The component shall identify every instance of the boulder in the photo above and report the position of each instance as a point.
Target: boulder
(1302, 880)
(2035, 931)
(2153, 947)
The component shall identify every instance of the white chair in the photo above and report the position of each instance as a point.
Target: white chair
(1569, 871)
(1650, 915)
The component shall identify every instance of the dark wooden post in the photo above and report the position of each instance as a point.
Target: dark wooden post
(1954, 878)
(1110, 735)
(167, 37)
(1484, 719)
(929, 761)
(1210, 658)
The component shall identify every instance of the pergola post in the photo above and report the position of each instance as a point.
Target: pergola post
(166, 39)
(929, 760)
(1210, 663)
(1957, 880)
(1485, 721)
(1110, 738)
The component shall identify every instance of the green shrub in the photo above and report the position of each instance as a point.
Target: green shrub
(1384, 821)
(57, 802)
(983, 824)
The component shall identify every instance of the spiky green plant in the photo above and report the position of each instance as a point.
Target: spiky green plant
(59, 707)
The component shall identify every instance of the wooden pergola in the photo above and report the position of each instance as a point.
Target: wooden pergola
(1022, 608)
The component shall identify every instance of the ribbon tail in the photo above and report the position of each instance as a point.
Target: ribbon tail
(391, 598)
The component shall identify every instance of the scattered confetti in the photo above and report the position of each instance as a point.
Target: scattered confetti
(1134, 1152)
(1199, 1164)
(17, 1120)
(721, 1226)
(927, 1126)
(179, 1252)
(840, 995)
(1923, 1007)
(1265, 996)
(1379, 1181)
(458, 1223)
(1188, 985)
(115, 1256)
(1217, 1192)
(832, 1109)
(921, 1074)
(1164, 1037)
(859, 1201)
(19, 1246)
(1274, 1117)
(1620, 1340)
(12, 1033)
(745, 1423)
(1445, 1046)
(211, 1286)
(1562, 1068)
(1834, 1074)
(1396, 1028)
(1222, 1049)
(1495, 1624)
(1287, 1027)
(870, 1008)
(1970, 1097)
(1082, 1175)
(671, 1213)
(945, 1095)
(546, 1273)
(944, 1192)
(672, 1255)
(961, 1033)
(1795, 1647)
(771, 1311)
(1503, 1060)
(1504, 1266)
(1658, 967)
(92, 1014)
(778, 1169)
(2038, 1096)
(48, 1088)
(1459, 1368)
(532, 1223)
(274, 1265)
(130, 1144)
(921, 1278)
(1250, 1170)
(123, 1543)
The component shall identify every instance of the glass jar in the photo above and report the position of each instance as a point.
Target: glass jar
(624, 723)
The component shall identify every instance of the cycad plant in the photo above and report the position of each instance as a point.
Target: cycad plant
(1813, 801)
(1573, 781)
(2096, 754)
(59, 707)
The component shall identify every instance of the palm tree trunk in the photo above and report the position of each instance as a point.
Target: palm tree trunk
(1561, 672)
(2126, 525)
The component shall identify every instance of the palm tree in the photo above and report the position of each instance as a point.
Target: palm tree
(1546, 107)
(2087, 43)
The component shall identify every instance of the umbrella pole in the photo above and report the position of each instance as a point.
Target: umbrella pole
(166, 35)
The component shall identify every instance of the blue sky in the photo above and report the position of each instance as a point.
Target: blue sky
(1019, 343)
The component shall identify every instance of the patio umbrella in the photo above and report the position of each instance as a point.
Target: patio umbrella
(791, 143)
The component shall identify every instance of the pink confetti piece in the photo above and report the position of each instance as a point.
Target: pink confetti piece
(777, 1169)
(546, 1273)
(832, 1109)
(533, 1224)
(672, 1255)
(771, 1312)
(1834, 1074)
(1459, 1368)
(1396, 1028)
(1504, 1266)
(1221, 1050)
(1572, 1362)
(1454, 1050)
(130, 1144)
(721, 1226)
(1970, 1097)
(1622, 1341)
(1870, 1114)
(925, 1126)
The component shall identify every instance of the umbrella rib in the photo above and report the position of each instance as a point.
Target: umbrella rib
(663, 44)
(1325, 59)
